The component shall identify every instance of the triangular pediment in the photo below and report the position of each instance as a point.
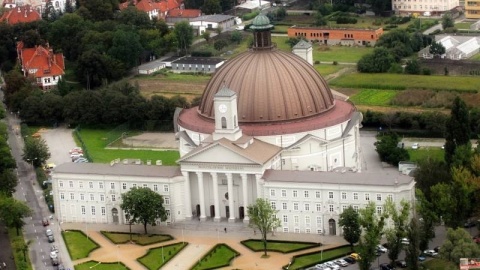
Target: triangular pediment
(216, 153)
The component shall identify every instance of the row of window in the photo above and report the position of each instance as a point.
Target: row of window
(307, 218)
(331, 195)
(318, 207)
(91, 185)
(103, 211)
(102, 197)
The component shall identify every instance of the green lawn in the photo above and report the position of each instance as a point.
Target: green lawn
(140, 239)
(463, 25)
(341, 54)
(96, 141)
(301, 262)
(277, 246)
(100, 266)
(178, 77)
(153, 259)
(423, 152)
(326, 69)
(402, 81)
(220, 255)
(78, 245)
(438, 264)
(373, 97)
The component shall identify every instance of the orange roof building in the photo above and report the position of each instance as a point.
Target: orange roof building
(177, 15)
(23, 14)
(41, 64)
(152, 8)
(337, 36)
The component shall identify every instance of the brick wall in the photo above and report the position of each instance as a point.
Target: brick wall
(360, 37)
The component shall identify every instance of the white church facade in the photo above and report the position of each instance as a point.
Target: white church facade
(268, 126)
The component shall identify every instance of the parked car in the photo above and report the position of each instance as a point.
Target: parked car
(341, 262)
(54, 248)
(382, 249)
(50, 237)
(430, 253)
(401, 264)
(60, 267)
(469, 224)
(76, 155)
(356, 256)
(53, 255)
(332, 265)
(415, 146)
(45, 222)
(75, 150)
(386, 266)
(81, 160)
(421, 258)
(55, 262)
(350, 260)
(405, 241)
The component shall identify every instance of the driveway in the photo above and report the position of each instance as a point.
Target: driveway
(59, 141)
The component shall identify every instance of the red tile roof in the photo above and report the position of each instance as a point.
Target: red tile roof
(22, 14)
(42, 59)
(185, 13)
(149, 5)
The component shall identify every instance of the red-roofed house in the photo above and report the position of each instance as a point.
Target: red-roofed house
(178, 15)
(152, 8)
(23, 14)
(41, 64)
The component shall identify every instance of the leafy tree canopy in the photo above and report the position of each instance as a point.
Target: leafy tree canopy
(349, 221)
(263, 217)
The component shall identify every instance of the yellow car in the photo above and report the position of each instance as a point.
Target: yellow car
(356, 256)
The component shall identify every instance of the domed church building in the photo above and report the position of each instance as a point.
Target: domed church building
(268, 126)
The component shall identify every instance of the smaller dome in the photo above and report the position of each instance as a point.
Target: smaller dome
(261, 22)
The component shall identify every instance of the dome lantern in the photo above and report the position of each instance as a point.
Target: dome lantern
(261, 27)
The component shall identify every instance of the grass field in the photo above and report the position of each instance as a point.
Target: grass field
(153, 259)
(300, 262)
(341, 54)
(100, 266)
(424, 152)
(402, 81)
(221, 255)
(140, 239)
(96, 143)
(277, 246)
(463, 25)
(373, 97)
(327, 69)
(78, 245)
(438, 264)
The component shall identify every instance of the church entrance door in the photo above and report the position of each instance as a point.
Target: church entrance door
(241, 211)
(197, 210)
(227, 211)
(212, 211)
(115, 215)
(332, 227)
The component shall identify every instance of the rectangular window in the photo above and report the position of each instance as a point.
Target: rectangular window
(306, 194)
(284, 193)
(344, 207)
(330, 194)
(90, 184)
(60, 183)
(82, 197)
(102, 197)
(379, 197)
(317, 194)
(62, 196)
(70, 183)
(367, 196)
(113, 197)
(72, 196)
(145, 185)
(295, 193)
(318, 206)
(295, 206)
(167, 201)
(319, 221)
(83, 210)
(92, 197)
(274, 205)
(124, 185)
(330, 207)
(285, 218)
(168, 213)
(112, 185)
(272, 192)
(355, 196)
(165, 188)
(284, 206)
(307, 207)
(134, 185)
(379, 210)
(390, 197)
(307, 221)
(307, 230)
(344, 195)
(155, 187)
(80, 184)
(295, 220)
(355, 207)
(93, 210)
(104, 212)
(100, 185)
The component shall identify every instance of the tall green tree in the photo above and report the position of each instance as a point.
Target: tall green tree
(349, 221)
(377, 62)
(184, 35)
(412, 252)
(211, 7)
(447, 21)
(426, 210)
(144, 206)
(459, 244)
(398, 231)
(126, 47)
(13, 212)
(263, 218)
(35, 151)
(437, 49)
(429, 173)
(8, 182)
(372, 227)
(457, 131)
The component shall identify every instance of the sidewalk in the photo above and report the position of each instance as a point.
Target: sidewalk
(200, 242)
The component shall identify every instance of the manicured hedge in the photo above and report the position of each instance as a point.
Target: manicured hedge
(311, 245)
(325, 258)
(106, 234)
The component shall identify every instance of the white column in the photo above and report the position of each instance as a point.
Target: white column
(259, 186)
(188, 196)
(246, 219)
(201, 194)
(215, 197)
(230, 198)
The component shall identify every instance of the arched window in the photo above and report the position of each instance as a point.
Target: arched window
(224, 123)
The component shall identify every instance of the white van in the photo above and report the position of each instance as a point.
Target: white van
(427, 14)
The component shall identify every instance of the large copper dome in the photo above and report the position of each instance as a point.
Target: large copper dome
(271, 86)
